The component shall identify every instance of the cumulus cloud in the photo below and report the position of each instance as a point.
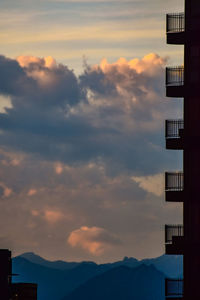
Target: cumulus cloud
(86, 149)
(112, 111)
(38, 69)
(95, 240)
(153, 184)
(26, 61)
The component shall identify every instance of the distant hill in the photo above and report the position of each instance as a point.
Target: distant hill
(171, 265)
(123, 283)
(58, 264)
(59, 279)
(53, 284)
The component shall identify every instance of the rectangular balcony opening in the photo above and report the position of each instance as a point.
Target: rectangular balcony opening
(175, 76)
(174, 129)
(175, 23)
(174, 181)
(173, 233)
(173, 288)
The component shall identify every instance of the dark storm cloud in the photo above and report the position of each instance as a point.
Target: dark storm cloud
(14, 80)
(111, 112)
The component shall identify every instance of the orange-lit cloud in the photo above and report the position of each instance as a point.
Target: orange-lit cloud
(32, 192)
(35, 212)
(53, 216)
(14, 162)
(94, 240)
(11, 158)
(37, 68)
(82, 194)
(6, 191)
(149, 63)
(26, 61)
(153, 184)
(58, 169)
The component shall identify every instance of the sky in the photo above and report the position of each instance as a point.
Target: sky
(82, 110)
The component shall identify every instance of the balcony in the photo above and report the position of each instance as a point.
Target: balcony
(175, 28)
(174, 239)
(173, 289)
(175, 82)
(174, 186)
(174, 134)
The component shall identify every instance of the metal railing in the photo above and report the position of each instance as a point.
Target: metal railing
(173, 231)
(174, 288)
(175, 22)
(175, 76)
(174, 181)
(173, 127)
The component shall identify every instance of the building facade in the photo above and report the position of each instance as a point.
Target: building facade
(9, 290)
(5, 273)
(184, 82)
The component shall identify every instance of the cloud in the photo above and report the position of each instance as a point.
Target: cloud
(112, 111)
(53, 216)
(35, 213)
(10, 158)
(38, 69)
(26, 61)
(94, 240)
(5, 102)
(58, 169)
(71, 30)
(6, 192)
(32, 192)
(83, 195)
(152, 184)
(79, 141)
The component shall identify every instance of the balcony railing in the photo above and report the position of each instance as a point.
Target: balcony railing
(174, 182)
(175, 76)
(172, 128)
(175, 23)
(173, 231)
(174, 288)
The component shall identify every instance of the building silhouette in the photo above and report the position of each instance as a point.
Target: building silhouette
(24, 291)
(184, 82)
(9, 290)
(5, 273)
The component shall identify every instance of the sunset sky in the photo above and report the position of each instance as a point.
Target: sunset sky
(82, 110)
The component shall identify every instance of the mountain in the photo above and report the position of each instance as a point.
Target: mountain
(140, 283)
(53, 284)
(171, 265)
(60, 279)
(58, 264)
(127, 261)
(48, 279)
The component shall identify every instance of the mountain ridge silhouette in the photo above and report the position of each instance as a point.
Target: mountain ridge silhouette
(59, 280)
